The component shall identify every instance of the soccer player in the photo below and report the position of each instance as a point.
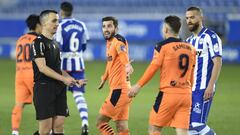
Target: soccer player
(208, 66)
(24, 72)
(176, 60)
(49, 96)
(72, 35)
(118, 70)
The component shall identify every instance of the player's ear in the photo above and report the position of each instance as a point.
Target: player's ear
(116, 30)
(166, 29)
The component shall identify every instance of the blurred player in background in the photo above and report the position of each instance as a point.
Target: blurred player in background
(176, 60)
(72, 36)
(24, 71)
(208, 66)
(118, 70)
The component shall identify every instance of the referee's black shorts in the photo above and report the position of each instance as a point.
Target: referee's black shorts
(50, 99)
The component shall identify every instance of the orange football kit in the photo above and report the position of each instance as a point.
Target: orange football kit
(176, 61)
(24, 76)
(116, 105)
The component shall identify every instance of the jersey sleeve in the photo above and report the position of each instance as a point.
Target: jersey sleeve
(122, 51)
(158, 57)
(154, 66)
(214, 45)
(85, 34)
(148, 74)
(37, 49)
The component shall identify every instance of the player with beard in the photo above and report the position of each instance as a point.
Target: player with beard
(207, 70)
(118, 69)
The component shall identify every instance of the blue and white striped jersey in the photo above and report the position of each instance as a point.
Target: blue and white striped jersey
(208, 45)
(72, 36)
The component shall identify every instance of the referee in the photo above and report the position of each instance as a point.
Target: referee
(49, 98)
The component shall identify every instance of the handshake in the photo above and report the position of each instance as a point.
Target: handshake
(69, 81)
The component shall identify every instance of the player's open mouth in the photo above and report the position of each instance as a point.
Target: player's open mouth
(107, 33)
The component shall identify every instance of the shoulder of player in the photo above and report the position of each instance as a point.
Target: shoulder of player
(211, 34)
(120, 38)
(39, 39)
(28, 37)
(81, 22)
(165, 42)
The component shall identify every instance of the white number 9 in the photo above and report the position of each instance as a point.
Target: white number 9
(74, 42)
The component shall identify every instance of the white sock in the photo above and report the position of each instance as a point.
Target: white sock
(15, 133)
(82, 106)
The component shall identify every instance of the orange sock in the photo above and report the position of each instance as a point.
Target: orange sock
(105, 129)
(126, 132)
(16, 117)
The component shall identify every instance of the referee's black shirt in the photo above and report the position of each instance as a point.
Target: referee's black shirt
(42, 47)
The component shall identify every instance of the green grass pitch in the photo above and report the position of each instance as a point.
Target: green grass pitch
(224, 115)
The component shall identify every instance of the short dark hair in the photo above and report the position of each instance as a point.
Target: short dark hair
(111, 18)
(67, 7)
(32, 21)
(44, 13)
(174, 22)
(194, 8)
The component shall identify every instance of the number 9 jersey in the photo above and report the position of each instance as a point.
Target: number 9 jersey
(72, 35)
(176, 61)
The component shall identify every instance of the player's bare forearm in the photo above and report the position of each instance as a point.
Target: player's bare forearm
(64, 73)
(217, 64)
(215, 73)
(43, 68)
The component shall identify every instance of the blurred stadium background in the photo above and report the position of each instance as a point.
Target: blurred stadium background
(140, 22)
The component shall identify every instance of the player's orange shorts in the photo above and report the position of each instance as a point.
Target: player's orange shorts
(116, 105)
(24, 90)
(171, 110)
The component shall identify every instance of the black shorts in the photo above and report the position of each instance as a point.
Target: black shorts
(50, 100)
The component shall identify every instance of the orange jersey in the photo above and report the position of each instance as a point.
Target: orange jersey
(176, 61)
(117, 58)
(23, 60)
